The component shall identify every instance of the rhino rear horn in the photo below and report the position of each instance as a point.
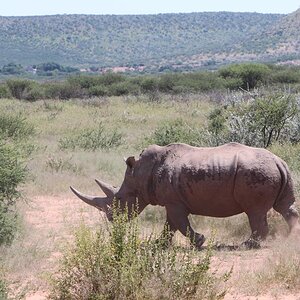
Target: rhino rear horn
(108, 189)
(97, 202)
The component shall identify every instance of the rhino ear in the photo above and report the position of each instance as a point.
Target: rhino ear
(130, 162)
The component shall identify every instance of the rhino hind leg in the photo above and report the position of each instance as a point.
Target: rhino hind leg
(260, 229)
(290, 214)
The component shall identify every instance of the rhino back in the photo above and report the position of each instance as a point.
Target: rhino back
(220, 181)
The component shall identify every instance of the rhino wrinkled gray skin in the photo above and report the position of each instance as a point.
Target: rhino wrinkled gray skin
(217, 182)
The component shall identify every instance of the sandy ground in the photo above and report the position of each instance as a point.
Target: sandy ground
(51, 220)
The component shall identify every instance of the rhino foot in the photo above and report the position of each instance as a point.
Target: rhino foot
(251, 244)
(199, 241)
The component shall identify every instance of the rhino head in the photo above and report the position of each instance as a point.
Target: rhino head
(125, 197)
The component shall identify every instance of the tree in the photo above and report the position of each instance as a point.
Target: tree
(250, 74)
(12, 69)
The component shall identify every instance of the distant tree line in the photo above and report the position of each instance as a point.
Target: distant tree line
(43, 69)
(246, 76)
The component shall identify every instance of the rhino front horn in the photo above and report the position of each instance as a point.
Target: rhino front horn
(97, 202)
(108, 189)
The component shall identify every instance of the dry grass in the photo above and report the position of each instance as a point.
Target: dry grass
(55, 119)
(277, 273)
(52, 213)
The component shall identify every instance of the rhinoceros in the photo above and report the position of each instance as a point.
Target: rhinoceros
(217, 182)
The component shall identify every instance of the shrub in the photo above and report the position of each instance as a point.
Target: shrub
(3, 290)
(250, 74)
(12, 174)
(85, 81)
(63, 90)
(199, 82)
(258, 122)
(15, 127)
(92, 139)
(120, 89)
(18, 87)
(4, 91)
(8, 224)
(175, 132)
(111, 78)
(149, 85)
(120, 266)
(12, 69)
(36, 92)
(98, 91)
(216, 126)
(286, 76)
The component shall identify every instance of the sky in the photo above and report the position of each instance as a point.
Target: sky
(50, 7)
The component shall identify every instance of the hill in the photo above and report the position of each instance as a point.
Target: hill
(190, 39)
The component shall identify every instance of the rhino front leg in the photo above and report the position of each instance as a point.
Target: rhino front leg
(165, 238)
(178, 216)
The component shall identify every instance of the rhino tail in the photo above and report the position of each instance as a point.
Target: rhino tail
(286, 196)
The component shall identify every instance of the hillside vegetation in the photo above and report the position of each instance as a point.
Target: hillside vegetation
(198, 39)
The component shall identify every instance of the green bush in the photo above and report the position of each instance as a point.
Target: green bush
(92, 139)
(258, 122)
(4, 91)
(13, 172)
(85, 81)
(8, 224)
(36, 92)
(216, 126)
(199, 82)
(120, 89)
(111, 78)
(98, 91)
(19, 87)
(149, 85)
(3, 289)
(12, 69)
(119, 265)
(15, 127)
(286, 76)
(250, 74)
(175, 132)
(14, 131)
(63, 90)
